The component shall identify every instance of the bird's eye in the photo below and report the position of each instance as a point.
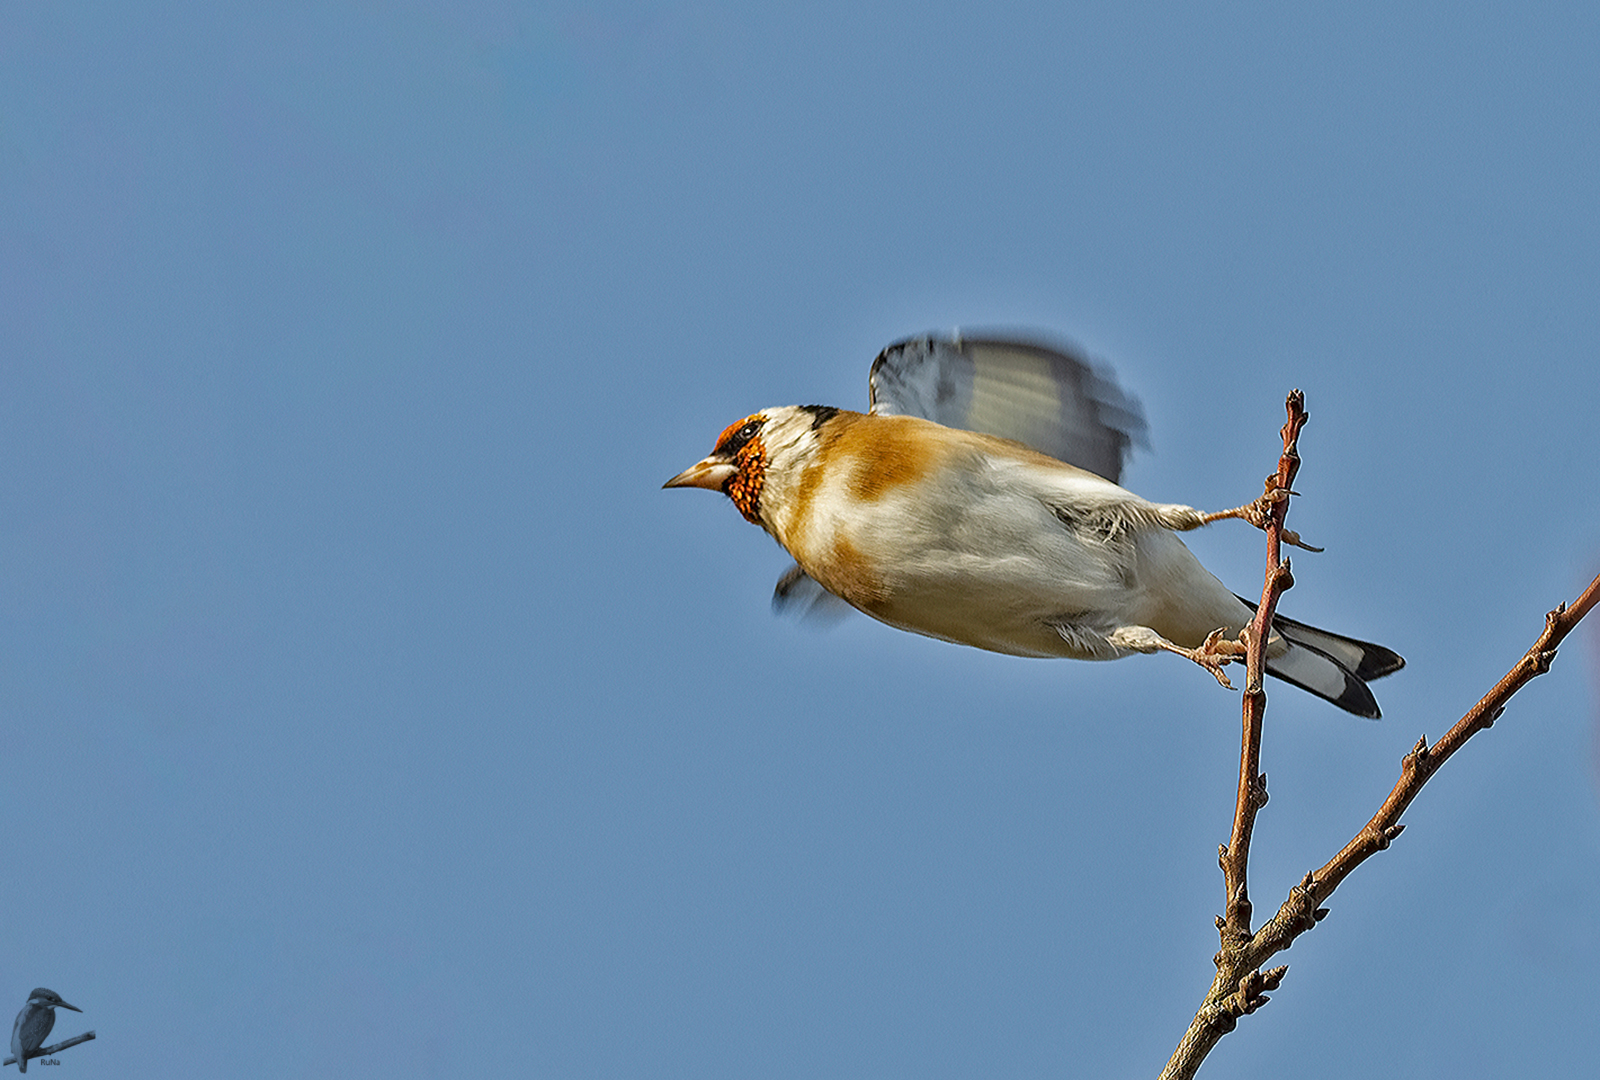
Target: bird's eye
(734, 439)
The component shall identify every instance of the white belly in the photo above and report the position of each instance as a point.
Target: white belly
(988, 562)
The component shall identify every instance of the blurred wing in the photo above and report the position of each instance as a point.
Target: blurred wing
(799, 595)
(1052, 399)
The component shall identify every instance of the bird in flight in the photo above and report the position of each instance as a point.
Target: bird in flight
(977, 501)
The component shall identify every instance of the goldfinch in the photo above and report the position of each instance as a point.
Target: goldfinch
(976, 502)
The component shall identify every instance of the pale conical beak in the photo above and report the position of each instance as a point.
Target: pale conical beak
(711, 474)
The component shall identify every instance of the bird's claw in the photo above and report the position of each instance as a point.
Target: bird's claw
(1259, 514)
(1216, 652)
(1292, 538)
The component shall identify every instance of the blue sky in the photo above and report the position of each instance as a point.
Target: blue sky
(369, 709)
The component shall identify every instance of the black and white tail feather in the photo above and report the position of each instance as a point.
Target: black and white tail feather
(1331, 666)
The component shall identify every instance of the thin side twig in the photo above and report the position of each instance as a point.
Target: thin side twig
(1302, 909)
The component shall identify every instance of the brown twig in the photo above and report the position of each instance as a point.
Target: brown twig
(1252, 796)
(1240, 986)
(1416, 769)
(1237, 990)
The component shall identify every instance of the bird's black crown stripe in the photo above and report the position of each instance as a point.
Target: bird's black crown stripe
(820, 414)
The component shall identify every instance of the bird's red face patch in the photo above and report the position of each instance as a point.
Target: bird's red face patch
(740, 442)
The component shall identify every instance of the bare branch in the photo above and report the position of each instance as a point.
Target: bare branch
(1416, 769)
(1252, 795)
(1239, 986)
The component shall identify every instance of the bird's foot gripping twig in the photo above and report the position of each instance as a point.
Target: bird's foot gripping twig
(1214, 653)
(1259, 513)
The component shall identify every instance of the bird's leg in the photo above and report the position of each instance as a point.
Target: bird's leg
(1213, 654)
(1259, 513)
